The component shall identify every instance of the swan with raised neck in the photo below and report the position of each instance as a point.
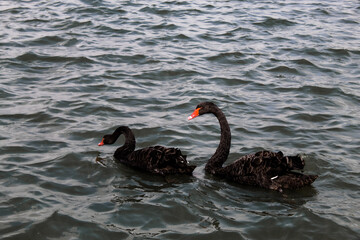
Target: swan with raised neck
(271, 170)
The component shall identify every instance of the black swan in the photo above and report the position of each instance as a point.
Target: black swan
(157, 159)
(265, 169)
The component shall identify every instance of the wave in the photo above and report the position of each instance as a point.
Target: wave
(284, 70)
(33, 57)
(270, 22)
(59, 225)
(47, 40)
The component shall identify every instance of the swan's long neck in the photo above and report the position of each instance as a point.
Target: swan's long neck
(129, 145)
(222, 151)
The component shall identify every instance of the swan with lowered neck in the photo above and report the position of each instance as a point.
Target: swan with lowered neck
(264, 169)
(157, 159)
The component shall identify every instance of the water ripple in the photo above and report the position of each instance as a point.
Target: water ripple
(33, 57)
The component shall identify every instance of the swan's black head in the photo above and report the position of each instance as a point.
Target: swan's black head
(107, 139)
(202, 108)
(111, 138)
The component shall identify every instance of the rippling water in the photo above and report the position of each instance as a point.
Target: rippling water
(286, 73)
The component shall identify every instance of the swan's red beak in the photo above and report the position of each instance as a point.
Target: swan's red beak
(194, 114)
(102, 143)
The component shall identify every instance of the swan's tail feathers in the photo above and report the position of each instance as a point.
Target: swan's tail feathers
(294, 162)
(292, 181)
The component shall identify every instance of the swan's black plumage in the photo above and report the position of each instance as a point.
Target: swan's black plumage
(157, 159)
(265, 169)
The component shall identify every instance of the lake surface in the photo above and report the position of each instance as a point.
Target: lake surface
(285, 73)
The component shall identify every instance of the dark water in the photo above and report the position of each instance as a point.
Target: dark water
(286, 74)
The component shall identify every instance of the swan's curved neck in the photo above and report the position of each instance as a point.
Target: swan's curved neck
(129, 145)
(222, 151)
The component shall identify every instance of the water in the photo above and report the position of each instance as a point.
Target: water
(286, 74)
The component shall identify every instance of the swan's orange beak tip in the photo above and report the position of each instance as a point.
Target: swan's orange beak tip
(102, 143)
(194, 114)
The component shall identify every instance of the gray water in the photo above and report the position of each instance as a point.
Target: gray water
(286, 74)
